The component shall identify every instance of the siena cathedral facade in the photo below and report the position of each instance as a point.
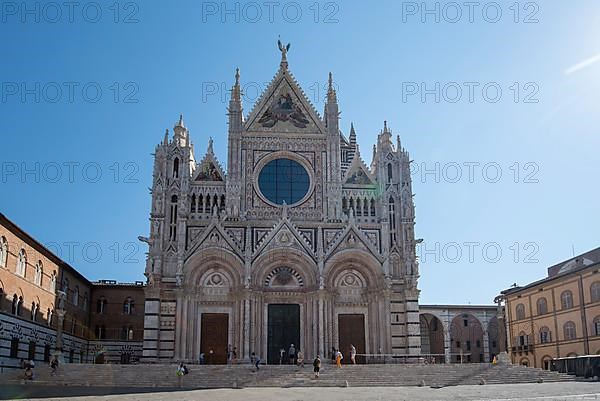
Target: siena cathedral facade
(298, 242)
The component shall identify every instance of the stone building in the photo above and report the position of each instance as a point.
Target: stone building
(462, 333)
(299, 241)
(558, 316)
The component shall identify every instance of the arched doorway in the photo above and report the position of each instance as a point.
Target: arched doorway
(432, 337)
(466, 339)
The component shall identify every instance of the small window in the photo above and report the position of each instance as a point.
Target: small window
(545, 335)
(566, 300)
(21, 263)
(468, 345)
(47, 353)
(14, 347)
(101, 305)
(3, 251)
(597, 326)
(128, 306)
(542, 306)
(31, 351)
(570, 331)
(595, 291)
(520, 311)
(466, 322)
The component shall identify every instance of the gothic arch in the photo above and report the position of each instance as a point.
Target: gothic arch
(352, 259)
(432, 336)
(213, 259)
(302, 268)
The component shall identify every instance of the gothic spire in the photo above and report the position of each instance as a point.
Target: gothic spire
(331, 95)
(352, 135)
(166, 139)
(210, 145)
(236, 93)
(180, 122)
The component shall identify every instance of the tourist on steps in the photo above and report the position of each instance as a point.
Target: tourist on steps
(338, 358)
(300, 358)
(54, 365)
(353, 354)
(317, 366)
(255, 361)
(292, 354)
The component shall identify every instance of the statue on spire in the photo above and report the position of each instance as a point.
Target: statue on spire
(283, 49)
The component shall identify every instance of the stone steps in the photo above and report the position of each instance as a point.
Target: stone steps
(163, 375)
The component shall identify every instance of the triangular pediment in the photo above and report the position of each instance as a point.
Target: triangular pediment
(284, 235)
(284, 108)
(352, 238)
(213, 236)
(209, 169)
(358, 174)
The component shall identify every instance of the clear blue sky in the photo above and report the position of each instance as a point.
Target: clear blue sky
(171, 57)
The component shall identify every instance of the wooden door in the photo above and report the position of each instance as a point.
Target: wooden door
(351, 329)
(214, 336)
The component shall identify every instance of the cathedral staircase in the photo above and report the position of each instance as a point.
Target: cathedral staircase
(163, 376)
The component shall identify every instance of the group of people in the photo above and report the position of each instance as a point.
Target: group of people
(337, 356)
(29, 365)
(295, 357)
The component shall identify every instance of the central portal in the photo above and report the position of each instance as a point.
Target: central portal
(283, 330)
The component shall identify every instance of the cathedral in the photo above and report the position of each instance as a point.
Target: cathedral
(298, 241)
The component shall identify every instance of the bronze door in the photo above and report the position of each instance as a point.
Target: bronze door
(352, 331)
(214, 336)
(283, 330)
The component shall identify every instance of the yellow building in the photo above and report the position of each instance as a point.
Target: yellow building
(557, 316)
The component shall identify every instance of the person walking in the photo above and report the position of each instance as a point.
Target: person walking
(281, 355)
(255, 361)
(338, 359)
(292, 354)
(300, 358)
(54, 365)
(353, 354)
(317, 366)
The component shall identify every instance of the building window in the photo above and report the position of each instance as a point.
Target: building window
(19, 309)
(101, 305)
(53, 281)
(128, 306)
(49, 317)
(520, 311)
(47, 353)
(21, 263)
(566, 300)
(85, 301)
(31, 353)
(595, 291)
(468, 345)
(15, 302)
(542, 306)
(173, 219)
(38, 273)
(65, 287)
(597, 326)
(3, 251)
(35, 310)
(176, 168)
(100, 332)
(466, 322)
(545, 335)
(283, 180)
(71, 355)
(76, 296)
(569, 331)
(14, 347)
(389, 172)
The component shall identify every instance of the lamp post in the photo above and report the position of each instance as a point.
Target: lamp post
(60, 311)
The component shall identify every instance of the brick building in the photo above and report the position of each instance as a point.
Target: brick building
(31, 276)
